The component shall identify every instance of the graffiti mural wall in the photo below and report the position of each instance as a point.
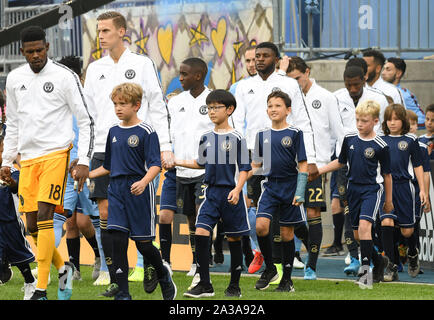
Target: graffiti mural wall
(217, 32)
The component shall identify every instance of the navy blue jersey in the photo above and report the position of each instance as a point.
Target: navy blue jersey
(131, 151)
(224, 156)
(7, 207)
(425, 139)
(425, 156)
(405, 154)
(279, 151)
(367, 160)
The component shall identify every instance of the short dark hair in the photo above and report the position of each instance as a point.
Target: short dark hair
(297, 63)
(198, 65)
(430, 108)
(377, 55)
(32, 33)
(223, 97)
(358, 62)
(353, 72)
(282, 95)
(269, 45)
(73, 63)
(399, 64)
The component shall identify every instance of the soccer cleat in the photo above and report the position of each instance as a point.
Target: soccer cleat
(280, 272)
(309, 274)
(192, 271)
(65, 281)
(353, 268)
(348, 259)
(39, 295)
(403, 257)
(391, 273)
(6, 273)
(35, 274)
(96, 268)
(333, 250)
(122, 296)
(202, 290)
(285, 285)
(219, 258)
(137, 275)
(168, 287)
(233, 291)
(365, 280)
(298, 263)
(77, 276)
(103, 279)
(258, 260)
(29, 289)
(413, 264)
(378, 270)
(269, 275)
(150, 279)
(111, 291)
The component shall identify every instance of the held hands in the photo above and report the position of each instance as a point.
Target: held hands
(80, 173)
(313, 172)
(167, 160)
(6, 178)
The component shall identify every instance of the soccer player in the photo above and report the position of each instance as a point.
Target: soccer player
(364, 152)
(376, 60)
(278, 152)
(328, 129)
(133, 161)
(189, 107)
(43, 136)
(406, 156)
(393, 72)
(224, 155)
(428, 138)
(119, 66)
(14, 247)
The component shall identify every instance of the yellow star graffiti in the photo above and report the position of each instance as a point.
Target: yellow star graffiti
(141, 42)
(198, 35)
(97, 53)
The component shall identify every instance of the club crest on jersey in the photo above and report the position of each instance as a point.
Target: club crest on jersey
(130, 74)
(133, 141)
(316, 104)
(286, 142)
(48, 87)
(226, 145)
(369, 153)
(403, 145)
(203, 110)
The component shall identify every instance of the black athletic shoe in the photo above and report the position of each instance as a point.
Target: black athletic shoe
(378, 271)
(285, 285)
(233, 291)
(122, 296)
(111, 291)
(150, 279)
(413, 264)
(391, 273)
(269, 275)
(202, 290)
(219, 258)
(168, 287)
(6, 273)
(39, 295)
(334, 250)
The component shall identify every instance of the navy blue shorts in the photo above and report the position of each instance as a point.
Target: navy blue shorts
(404, 201)
(276, 200)
(364, 202)
(13, 243)
(334, 193)
(216, 206)
(135, 215)
(168, 191)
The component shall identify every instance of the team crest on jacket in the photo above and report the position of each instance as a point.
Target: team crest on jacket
(203, 110)
(133, 141)
(48, 87)
(403, 145)
(130, 74)
(286, 142)
(369, 153)
(316, 104)
(226, 145)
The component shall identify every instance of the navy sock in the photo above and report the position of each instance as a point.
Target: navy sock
(288, 253)
(338, 228)
(166, 241)
(236, 261)
(202, 257)
(366, 247)
(266, 249)
(73, 245)
(387, 237)
(315, 238)
(152, 256)
(120, 259)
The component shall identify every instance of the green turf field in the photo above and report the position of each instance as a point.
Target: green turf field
(305, 290)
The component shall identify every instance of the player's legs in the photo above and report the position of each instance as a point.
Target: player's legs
(288, 255)
(165, 224)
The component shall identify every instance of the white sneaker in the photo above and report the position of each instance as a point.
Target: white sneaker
(103, 279)
(298, 264)
(35, 274)
(192, 271)
(29, 289)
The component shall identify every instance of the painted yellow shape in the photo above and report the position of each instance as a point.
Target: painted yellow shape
(218, 36)
(198, 35)
(165, 42)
